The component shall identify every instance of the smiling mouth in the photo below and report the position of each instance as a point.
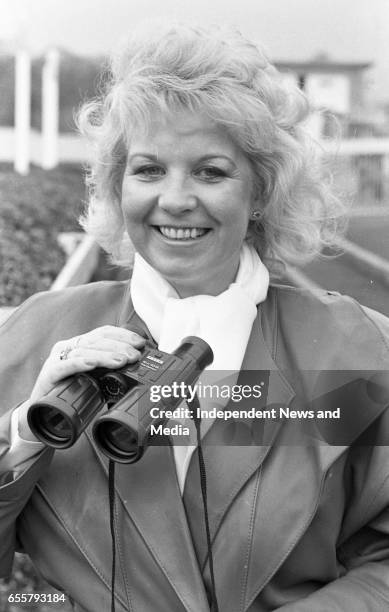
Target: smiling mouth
(181, 233)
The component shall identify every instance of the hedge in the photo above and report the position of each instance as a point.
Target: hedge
(33, 210)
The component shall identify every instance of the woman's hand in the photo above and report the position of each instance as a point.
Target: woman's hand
(108, 347)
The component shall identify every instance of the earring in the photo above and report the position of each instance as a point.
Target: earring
(256, 215)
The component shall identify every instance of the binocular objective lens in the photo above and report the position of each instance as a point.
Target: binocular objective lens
(53, 425)
(119, 440)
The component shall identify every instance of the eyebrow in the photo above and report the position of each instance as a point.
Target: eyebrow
(203, 158)
(148, 155)
(215, 156)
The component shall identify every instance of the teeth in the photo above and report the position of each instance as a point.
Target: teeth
(182, 233)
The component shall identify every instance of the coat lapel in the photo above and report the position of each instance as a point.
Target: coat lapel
(293, 473)
(151, 497)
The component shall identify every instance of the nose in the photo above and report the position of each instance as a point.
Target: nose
(176, 196)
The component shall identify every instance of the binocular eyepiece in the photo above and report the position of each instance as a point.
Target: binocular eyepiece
(123, 431)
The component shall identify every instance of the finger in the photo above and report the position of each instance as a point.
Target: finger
(116, 333)
(106, 345)
(92, 359)
(105, 356)
(110, 338)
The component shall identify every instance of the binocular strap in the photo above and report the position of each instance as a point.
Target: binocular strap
(203, 483)
(111, 493)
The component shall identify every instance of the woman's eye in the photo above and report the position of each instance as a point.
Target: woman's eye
(150, 172)
(210, 173)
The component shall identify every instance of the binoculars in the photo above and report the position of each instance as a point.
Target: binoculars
(123, 431)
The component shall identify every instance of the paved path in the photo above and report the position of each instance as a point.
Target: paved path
(346, 275)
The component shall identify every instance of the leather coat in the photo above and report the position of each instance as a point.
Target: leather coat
(295, 527)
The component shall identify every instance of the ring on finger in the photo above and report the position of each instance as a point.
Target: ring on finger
(64, 354)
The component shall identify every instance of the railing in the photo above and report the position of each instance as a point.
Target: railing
(360, 167)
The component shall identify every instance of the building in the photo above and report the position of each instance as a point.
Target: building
(335, 88)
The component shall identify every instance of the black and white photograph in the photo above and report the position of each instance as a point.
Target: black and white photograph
(194, 306)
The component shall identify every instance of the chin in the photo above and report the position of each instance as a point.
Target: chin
(175, 276)
(179, 277)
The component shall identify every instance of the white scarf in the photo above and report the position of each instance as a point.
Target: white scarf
(224, 321)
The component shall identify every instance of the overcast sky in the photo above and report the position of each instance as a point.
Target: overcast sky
(298, 29)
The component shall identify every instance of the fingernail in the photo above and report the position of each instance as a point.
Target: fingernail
(132, 353)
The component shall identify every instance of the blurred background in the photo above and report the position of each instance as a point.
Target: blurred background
(51, 56)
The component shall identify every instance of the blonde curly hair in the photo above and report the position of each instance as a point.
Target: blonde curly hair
(165, 68)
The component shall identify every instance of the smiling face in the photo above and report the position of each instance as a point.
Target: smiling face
(186, 200)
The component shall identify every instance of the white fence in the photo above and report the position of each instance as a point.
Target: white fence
(71, 148)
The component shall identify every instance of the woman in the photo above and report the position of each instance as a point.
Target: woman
(203, 165)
